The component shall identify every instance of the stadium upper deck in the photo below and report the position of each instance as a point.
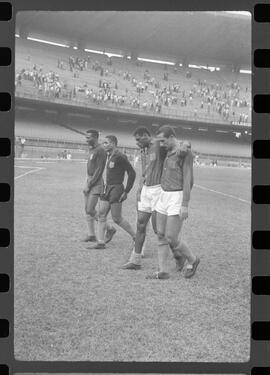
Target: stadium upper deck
(53, 73)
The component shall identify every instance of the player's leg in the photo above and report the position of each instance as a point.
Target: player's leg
(116, 211)
(144, 212)
(135, 257)
(145, 243)
(154, 221)
(90, 210)
(142, 221)
(103, 210)
(173, 233)
(174, 227)
(163, 248)
(110, 230)
(154, 198)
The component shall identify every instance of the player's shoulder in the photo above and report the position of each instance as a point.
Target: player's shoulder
(100, 150)
(119, 156)
(124, 158)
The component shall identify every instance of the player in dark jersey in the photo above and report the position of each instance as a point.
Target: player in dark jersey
(172, 207)
(152, 157)
(94, 184)
(114, 192)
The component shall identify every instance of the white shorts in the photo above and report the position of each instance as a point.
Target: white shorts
(169, 202)
(149, 198)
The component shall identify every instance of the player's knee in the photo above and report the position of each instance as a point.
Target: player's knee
(91, 212)
(172, 241)
(161, 236)
(117, 219)
(141, 226)
(101, 216)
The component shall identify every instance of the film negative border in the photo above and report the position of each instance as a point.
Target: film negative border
(6, 179)
(260, 306)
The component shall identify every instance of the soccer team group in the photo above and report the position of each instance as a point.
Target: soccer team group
(163, 195)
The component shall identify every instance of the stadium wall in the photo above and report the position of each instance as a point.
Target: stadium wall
(61, 128)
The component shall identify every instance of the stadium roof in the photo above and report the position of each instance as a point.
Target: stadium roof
(202, 37)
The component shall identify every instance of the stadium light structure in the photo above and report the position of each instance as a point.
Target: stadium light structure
(47, 42)
(94, 51)
(156, 61)
(211, 68)
(109, 54)
(245, 71)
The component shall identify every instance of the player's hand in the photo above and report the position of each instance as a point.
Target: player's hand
(183, 213)
(123, 197)
(182, 148)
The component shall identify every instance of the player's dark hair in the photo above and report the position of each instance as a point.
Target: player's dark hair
(112, 138)
(141, 130)
(94, 133)
(167, 130)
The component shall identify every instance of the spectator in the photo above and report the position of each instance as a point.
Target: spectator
(214, 97)
(22, 144)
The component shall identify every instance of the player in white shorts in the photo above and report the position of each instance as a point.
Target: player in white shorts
(152, 156)
(172, 206)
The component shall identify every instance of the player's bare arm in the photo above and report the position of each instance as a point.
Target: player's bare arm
(130, 181)
(187, 183)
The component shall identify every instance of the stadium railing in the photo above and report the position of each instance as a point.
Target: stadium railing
(46, 148)
(169, 113)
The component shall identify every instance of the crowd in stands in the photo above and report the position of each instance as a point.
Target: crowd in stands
(46, 83)
(146, 91)
(215, 98)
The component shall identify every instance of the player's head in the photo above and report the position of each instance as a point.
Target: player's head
(166, 136)
(110, 142)
(142, 136)
(92, 137)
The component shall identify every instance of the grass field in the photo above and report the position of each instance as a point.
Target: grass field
(76, 304)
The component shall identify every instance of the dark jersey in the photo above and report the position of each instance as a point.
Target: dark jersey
(95, 165)
(177, 174)
(152, 163)
(116, 166)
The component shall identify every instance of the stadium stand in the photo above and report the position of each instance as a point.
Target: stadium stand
(54, 73)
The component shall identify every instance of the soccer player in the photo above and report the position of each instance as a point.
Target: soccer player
(114, 192)
(172, 207)
(152, 156)
(94, 184)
